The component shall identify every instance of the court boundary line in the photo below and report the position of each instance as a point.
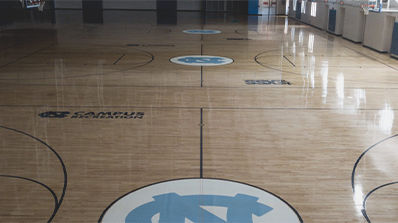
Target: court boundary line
(193, 108)
(289, 61)
(396, 69)
(26, 56)
(212, 87)
(89, 75)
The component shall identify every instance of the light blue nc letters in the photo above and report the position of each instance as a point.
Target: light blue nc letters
(174, 208)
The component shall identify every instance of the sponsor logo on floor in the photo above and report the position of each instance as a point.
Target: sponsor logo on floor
(267, 82)
(151, 45)
(239, 39)
(92, 115)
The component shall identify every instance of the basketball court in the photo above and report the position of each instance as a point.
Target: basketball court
(254, 105)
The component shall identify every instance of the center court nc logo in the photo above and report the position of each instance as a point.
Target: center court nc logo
(204, 60)
(199, 200)
(175, 208)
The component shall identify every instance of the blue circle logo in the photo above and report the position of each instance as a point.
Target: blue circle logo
(200, 200)
(201, 60)
(201, 31)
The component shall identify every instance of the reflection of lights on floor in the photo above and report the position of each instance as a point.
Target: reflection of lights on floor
(358, 199)
(385, 119)
(311, 43)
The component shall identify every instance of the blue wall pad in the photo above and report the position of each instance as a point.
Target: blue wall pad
(332, 20)
(394, 43)
(298, 10)
(253, 7)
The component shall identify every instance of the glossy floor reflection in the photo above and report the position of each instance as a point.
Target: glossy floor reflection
(91, 112)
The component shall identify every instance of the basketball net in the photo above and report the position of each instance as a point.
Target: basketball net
(366, 8)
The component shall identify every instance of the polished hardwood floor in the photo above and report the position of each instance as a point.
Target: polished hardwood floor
(93, 111)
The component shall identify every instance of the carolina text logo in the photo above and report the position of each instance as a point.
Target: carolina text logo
(92, 115)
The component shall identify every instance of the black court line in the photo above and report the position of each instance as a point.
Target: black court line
(209, 108)
(367, 196)
(62, 164)
(360, 157)
(353, 177)
(289, 72)
(28, 55)
(371, 58)
(38, 37)
(88, 75)
(289, 61)
(41, 184)
(263, 87)
(85, 31)
(201, 142)
(119, 59)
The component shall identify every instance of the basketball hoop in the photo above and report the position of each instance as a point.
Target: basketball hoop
(33, 4)
(366, 8)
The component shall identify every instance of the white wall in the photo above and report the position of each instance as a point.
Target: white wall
(319, 21)
(125, 4)
(378, 31)
(68, 4)
(130, 4)
(354, 24)
(189, 5)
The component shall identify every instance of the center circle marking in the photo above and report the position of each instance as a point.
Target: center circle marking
(200, 200)
(201, 60)
(201, 31)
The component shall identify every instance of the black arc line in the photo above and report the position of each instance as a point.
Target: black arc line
(39, 183)
(353, 177)
(367, 196)
(62, 164)
(289, 72)
(360, 157)
(28, 55)
(88, 75)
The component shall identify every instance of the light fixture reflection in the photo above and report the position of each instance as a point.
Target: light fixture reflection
(311, 43)
(301, 38)
(312, 71)
(340, 87)
(358, 198)
(286, 26)
(385, 119)
(293, 30)
(325, 73)
(360, 95)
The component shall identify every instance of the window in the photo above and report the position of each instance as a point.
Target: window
(313, 9)
(294, 5)
(303, 6)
